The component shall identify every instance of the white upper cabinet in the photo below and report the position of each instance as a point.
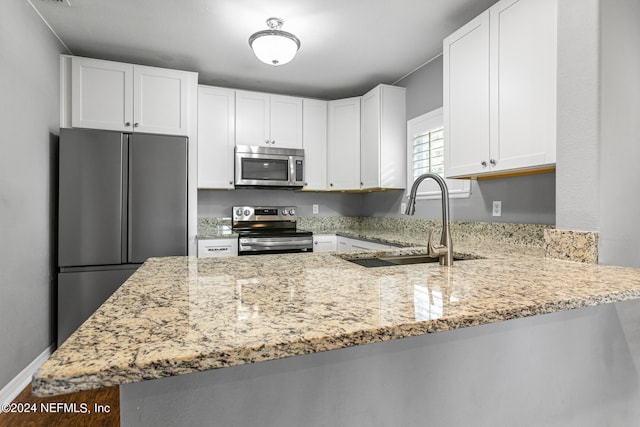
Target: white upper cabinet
(314, 142)
(268, 120)
(500, 90)
(523, 83)
(252, 118)
(286, 121)
(160, 100)
(466, 98)
(344, 144)
(124, 97)
(216, 137)
(101, 94)
(383, 138)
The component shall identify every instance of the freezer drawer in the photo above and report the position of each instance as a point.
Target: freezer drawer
(81, 292)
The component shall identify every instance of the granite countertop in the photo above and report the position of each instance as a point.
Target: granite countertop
(182, 314)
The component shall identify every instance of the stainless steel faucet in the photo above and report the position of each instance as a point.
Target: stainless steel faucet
(444, 250)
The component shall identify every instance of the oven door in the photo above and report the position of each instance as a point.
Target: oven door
(268, 167)
(248, 245)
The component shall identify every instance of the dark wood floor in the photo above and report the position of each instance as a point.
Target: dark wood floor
(104, 398)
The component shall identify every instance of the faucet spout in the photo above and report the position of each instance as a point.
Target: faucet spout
(445, 249)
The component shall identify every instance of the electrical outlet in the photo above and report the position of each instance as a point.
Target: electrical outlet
(315, 209)
(497, 208)
(403, 207)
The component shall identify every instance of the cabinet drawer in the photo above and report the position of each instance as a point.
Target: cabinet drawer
(211, 248)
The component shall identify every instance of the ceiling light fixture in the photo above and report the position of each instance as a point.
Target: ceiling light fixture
(274, 46)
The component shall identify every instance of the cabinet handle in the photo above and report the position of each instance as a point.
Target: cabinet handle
(493, 162)
(331, 184)
(484, 164)
(127, 124)
(135, 125)
(230, 182)
(273, 141)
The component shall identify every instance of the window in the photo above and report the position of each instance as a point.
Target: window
(425, 149)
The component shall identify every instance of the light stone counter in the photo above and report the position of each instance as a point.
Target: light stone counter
(182, 315)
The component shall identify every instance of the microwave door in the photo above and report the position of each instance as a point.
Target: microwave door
(264, 171)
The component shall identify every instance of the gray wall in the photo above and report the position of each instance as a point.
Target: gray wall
(218, 203)
(598, 127)
(620, 132)
(28, 118)
(575, 368)
(577, 151)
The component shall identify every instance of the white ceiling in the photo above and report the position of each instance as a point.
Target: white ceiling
(348, 46)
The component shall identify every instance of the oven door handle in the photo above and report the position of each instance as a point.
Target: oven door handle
(277, 243)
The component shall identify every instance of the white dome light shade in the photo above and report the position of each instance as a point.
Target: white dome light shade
(274, 47)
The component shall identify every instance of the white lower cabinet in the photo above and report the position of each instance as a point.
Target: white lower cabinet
(211, 248)
(350, 244)
(325, 242)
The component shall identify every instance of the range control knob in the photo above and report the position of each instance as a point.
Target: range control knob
(292, 211)
(247, 212)
(239, 212)
(285, 212)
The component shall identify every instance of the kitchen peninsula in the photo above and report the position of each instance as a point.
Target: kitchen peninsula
(513, 338)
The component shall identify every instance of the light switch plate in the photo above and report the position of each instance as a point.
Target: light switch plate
(315, 209)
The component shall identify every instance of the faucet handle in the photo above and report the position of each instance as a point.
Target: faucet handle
(435, 251)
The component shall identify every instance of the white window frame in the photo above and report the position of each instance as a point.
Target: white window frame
(429, 189)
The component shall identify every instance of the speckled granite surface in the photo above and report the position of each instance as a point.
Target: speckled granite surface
(402, 231)
(214, 228)
(579, 246)
(180, 315)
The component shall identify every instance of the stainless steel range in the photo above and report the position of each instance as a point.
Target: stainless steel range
(269, 229)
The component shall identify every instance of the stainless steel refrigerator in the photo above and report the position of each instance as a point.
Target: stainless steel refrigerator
(122, 198)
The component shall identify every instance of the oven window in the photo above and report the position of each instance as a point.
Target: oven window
(265, 170)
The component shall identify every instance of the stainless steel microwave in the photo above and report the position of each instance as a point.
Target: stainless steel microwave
(262, 167)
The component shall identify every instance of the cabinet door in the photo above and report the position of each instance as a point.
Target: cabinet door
(101, 94)
(344, 243)
(324, 242)
(370, 139)
(366, 245)
(314, 141)
(214, 248)
(523, 83)
(286, 121)
(216, 137)
(252, 118)
(383, 160)
(344, 144)
(160, 100)
(393, 137)
(466, 99)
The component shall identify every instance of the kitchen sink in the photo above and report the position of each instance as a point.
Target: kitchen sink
(387, 261)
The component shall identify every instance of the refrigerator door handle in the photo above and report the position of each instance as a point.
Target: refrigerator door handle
(125, 199)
